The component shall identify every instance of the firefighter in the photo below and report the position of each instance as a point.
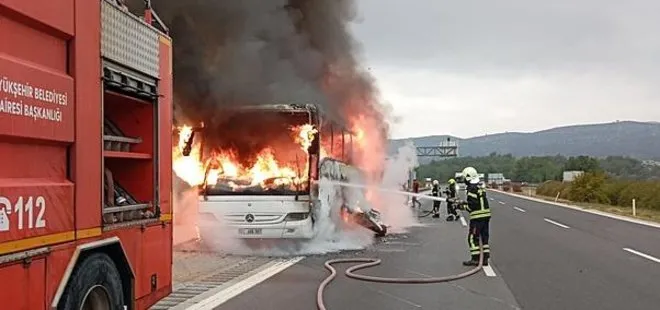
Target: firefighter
(415, 189)
(435, 192)
(477, 206)
(451, 206)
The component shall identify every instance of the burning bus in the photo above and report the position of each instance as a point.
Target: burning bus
(256, 169)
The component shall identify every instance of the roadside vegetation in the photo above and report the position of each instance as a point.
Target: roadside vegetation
(608, 184)
(539, 169)
(597, 191)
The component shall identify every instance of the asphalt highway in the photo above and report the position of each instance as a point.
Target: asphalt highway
(543, 257)
(435, 249)
(558, 258)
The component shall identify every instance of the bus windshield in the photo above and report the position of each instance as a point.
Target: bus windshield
(258, 152)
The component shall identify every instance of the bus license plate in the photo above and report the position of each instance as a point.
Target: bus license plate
(250, 231)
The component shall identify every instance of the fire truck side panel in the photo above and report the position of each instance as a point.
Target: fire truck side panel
(86, 153)
(166, 123)
(155, 241)
(145, 254)
(36, 128)
(144, 250)
(51, 180)
(23, 288)
(35, 86)
(57, 14)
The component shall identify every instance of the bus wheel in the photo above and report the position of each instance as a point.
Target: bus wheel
(94, 284)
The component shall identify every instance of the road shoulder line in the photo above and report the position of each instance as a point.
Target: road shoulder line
(226, 293)
(596, 212)
(489, 271)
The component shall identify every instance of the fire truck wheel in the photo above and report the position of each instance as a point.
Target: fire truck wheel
(94, 284)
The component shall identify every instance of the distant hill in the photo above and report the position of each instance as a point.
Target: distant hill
(634, 139)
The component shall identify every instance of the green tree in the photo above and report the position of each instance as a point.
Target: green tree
(537, 169)
(589, 187)
(582, 163)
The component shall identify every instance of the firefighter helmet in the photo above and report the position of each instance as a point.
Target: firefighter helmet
(470, 174)
(451, 181)
(435, 182)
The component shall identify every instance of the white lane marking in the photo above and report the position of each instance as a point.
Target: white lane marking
(242, 286)
(489, 271)
(555, 223)
(492, 199)
(502, 202)
(596, 212)
(463, 223)
(649, 257)
(520, 209)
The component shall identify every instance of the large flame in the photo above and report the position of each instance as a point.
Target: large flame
(369, 152)
(224, 165)
(189, 168)
(305, 135)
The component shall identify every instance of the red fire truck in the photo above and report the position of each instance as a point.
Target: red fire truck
(85, 156)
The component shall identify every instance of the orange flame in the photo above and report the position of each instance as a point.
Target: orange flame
(224, 165)
(305, 135)
(188, 168)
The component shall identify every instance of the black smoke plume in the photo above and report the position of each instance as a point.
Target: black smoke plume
(229, 53)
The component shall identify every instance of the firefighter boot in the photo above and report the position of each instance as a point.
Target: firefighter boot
(474, 261)
(436, 212)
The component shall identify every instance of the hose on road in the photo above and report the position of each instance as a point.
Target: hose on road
(371, 262)
(424, 213)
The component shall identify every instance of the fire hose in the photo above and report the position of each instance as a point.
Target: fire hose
(425, 213)
(371, 262)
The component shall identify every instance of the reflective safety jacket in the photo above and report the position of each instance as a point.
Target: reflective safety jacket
(452, 190)
(477, 203)
(435, 191)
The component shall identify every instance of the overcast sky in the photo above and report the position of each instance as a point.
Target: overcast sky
(475, 67)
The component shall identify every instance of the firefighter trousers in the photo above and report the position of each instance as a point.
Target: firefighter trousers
(436, 206)
(451, 209)
(479, 230)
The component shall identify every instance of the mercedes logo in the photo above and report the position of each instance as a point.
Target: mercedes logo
(249, 218)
